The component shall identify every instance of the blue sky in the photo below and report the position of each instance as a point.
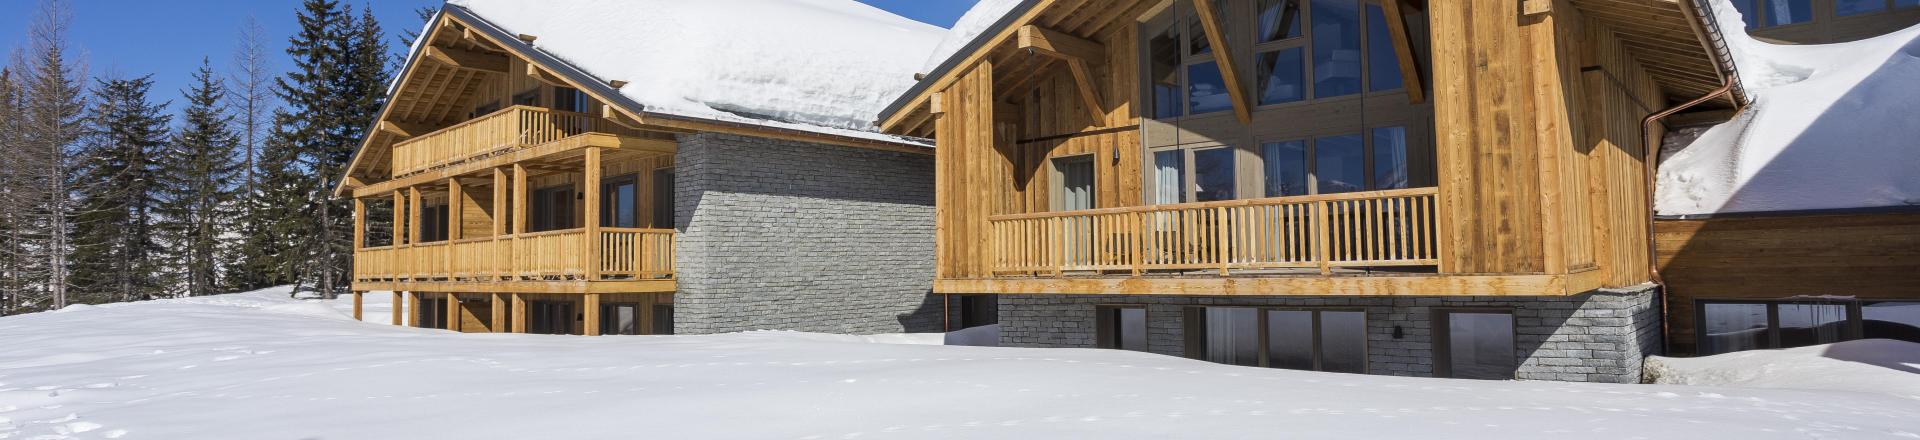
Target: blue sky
(169, 38)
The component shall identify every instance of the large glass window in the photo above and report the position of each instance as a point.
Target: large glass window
(1891, 320)
(620, 319)
(1206, 90)
(1233, 335)
(1343, 341)
(1323, 340)
(1213, 174)
(1169, 176)
(1286, 167)
(1282, 77)
(1784, 12)
(1336, 47)
(1906, 3)
(1476, 345)
(1163, 71)
(1389, 158)
(1812, 324)
(1845, 8)
(1749, 12)
(1122, 328)
(552, 318)
(1383, 63)
(1279, 19)
(1339, 164)
(552, 208)
(1730, 327)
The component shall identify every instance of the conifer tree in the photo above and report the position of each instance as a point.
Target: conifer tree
(115, 255)
(198, 187)
(10, 140)
(36, 200)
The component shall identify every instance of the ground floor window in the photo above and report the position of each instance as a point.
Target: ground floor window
(1121, 327)
(620, 319)
(663, 319)
(979, 310)
(1735, 325)
(1321, 340)
(433, 313)
(1474, 344)
(551, 318)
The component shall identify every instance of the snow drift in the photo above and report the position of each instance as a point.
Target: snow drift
(816, 65)
(1867, 366)
(1831, 126)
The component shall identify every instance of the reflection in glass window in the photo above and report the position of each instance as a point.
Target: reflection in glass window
(1781, 12)
(1480, 345)
(1811, 324)
(1169, 176)
(1389, 158)
(1845, 8)
(1383, 62)
(1339, 164)
(1123, 328)
(1891, 320)
(1197, 43)
(1343, 342)
(1906, 3)
(1282, 76)
(1336, 48)
(1730, 327)
(1749, 12)
(1206, 91)
(1213, 174)
(1286, 167)
(1163, 53)
(1290, 339)
(1233, 335)
(1279, 19)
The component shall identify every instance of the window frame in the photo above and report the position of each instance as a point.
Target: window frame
(1442, 334)
(609, 318)
(1196, 338)
(1108, 332)
(1058, 181)
(1855, 322)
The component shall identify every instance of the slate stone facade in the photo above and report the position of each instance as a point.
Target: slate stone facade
(1600, 336)
(786, 235)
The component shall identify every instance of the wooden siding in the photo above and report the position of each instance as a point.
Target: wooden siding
(1866, 256)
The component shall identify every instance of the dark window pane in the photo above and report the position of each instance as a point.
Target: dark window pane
(1169, 176)
(1480, 345)
(1336, 48)
(1891, 320)
(1163, 53)
(619, 319)
(1343, 341)
(1282, 76)
(1748, 12)
(1856, 7)
(1811, 324)
(1383, 63)
(1198, 44)
(1213, 174)
(663, 198)
(1788, 12)
(1389, 158)
(1727, 328)
(663, 319)
(1076, 183)
(1290, 339)
(1279, 19)
(1206, 91)
(1339, 164)
(1286, 167)
(1233, 335)
(1133, 329)
(1906, 3)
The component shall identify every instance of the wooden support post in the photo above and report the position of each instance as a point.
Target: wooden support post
(591, 326)
(519, 218)
(456, 212)
(399, 219)
(413, 308)
(359, 302)
(1321, 241)
(498, 322)
(592, 211)
(453, 311)
(499, 202)
(398, 310)
(519, 314)
(359, 224)
(413, 215)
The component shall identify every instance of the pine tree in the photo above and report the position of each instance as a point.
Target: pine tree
(115, 255)
(36, 200)
(10, 253)
(197, 187)
(251, 104)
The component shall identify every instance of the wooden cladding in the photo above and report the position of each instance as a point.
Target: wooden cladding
(1381, 228)
(503, 130)
(624, 254)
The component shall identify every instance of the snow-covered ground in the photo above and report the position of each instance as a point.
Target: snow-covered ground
(1868, 366)
(260, 365)
(1831, 126)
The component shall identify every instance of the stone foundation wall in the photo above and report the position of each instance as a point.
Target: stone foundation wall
(1600, 336)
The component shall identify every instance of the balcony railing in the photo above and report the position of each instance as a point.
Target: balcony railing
(504, 130)
(625, 254)
(1379, 228)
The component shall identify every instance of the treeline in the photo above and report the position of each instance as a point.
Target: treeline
(106, 196)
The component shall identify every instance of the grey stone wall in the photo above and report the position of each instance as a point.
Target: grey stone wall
(1600, 336)
(788, 235)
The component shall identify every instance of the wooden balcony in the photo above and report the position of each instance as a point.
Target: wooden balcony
(628, 260)
(494, 134)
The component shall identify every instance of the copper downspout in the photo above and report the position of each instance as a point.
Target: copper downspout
(1651, 147)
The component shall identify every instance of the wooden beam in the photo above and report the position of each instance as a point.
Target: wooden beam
(359, 231)
(570, 287)
(1403, 48)
(527, 37)
(404, 129)
(453, 311)
(1223, 56)
(519, 199)
(937, 107)
(542, 75)
(1408, 285)
(891, 124)
(499, 202)
(591, 326)
(1089, 96)
(398, 235)
(519, 314)
(413, 215)
(398, 308)
(1060, 45)
(592, 213)
(466, 59)
(359, 304)
(498, 322)
(456, 211)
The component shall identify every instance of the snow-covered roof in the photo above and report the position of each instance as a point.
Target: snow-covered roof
(826, 66)
(1834, 126)
(976, 21)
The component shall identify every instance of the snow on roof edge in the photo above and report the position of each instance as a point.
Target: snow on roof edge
(953, 60)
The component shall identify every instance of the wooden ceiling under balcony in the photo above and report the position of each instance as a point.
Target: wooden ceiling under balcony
(1658, 33)
(436, 90)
